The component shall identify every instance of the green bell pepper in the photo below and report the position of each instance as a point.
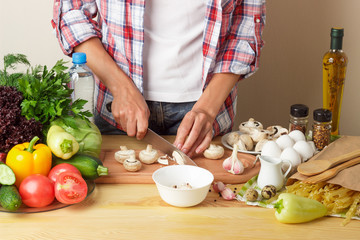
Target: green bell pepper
(291, 208)
(61, 143)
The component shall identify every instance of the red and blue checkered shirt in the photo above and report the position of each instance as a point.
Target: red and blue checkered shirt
(232, 41)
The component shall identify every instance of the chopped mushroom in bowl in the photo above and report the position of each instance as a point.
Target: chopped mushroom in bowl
(183, 185)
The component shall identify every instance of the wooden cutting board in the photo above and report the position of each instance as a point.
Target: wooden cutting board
(118, 174)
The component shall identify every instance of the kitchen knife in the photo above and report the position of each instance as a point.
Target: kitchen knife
(164, 146)
(161, 144)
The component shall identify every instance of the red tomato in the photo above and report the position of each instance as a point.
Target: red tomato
(37, 191)
(62, 167)
(70, 188)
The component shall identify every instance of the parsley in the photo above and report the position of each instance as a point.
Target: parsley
(45, 91)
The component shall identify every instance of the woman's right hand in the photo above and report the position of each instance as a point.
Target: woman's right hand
(128, 107)
(131, 112)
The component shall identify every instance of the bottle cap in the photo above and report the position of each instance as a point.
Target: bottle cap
(79, 58)
(322, 115)
(337, 32)
(299, 110)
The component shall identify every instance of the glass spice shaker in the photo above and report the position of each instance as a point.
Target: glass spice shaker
(322, 127)
(299, 114)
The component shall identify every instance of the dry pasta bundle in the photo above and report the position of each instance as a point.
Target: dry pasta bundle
(336, 198)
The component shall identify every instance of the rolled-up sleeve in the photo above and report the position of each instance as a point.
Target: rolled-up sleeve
(74, 22)
(241, 44)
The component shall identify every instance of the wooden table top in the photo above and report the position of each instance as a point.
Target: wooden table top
(136, 211)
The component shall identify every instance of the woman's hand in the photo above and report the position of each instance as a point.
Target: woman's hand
(131, 112)
(129, 107)
(195, 131)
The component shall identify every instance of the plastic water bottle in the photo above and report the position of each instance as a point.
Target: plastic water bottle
(82, 81)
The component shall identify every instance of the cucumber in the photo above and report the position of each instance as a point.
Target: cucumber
(10, 198)
(90, 167)
(7, 176)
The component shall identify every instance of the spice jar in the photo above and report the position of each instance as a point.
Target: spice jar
(298, 117)
(322, 128)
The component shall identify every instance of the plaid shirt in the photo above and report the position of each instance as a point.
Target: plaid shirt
(232, 41)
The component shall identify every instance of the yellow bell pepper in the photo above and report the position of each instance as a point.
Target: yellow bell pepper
(27, 158)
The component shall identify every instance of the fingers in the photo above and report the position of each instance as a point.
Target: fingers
(195, 133)
(184, 130)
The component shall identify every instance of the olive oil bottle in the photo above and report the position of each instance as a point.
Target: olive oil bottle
(334, 70)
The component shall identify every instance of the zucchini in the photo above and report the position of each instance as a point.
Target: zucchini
(10, 198)
(90, 167)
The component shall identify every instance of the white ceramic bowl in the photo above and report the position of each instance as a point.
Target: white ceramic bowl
(200, 180)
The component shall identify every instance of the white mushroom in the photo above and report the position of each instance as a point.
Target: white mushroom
(259, 145)
(276, 131)
(132, 164)
(240, 145)
(250, 125)
(124, 154)
(214, 152)
(149, 155)
(232, 138)
(178, 158)
(258, 135)
(248, 141)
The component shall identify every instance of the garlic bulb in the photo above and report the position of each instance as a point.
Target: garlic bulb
(149, 155)
(232, 164)
(214, 152)
(124, 154)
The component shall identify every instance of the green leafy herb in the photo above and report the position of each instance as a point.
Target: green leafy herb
(45, 91)
(10, 61)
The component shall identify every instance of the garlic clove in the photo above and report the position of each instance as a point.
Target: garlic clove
(149, 155)
(124, 154)
(232, 164)
(228, 194)
(214, 152)
(218, 186)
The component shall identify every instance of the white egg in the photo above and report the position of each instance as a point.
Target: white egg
(291, 155)
(304, 149)
(312, 145)
(284, 141)
(271, 149)
(297, 135)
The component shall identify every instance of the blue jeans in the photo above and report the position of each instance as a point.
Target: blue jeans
(165, 118)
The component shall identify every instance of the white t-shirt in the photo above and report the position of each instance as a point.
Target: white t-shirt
(173, 50)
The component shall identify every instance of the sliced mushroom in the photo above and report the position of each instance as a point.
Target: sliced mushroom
(149, 155)
(124, 154)
(163, 159)
(132, 164)
(178, 158)
(214, 152)
(240, 145)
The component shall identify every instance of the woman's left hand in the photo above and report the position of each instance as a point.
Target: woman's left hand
(195, 132)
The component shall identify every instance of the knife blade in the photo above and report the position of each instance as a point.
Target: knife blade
(164, 146)
(161, 143)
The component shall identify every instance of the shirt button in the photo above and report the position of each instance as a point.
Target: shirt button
(257, 20)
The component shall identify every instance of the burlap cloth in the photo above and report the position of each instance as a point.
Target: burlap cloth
(348, 178)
